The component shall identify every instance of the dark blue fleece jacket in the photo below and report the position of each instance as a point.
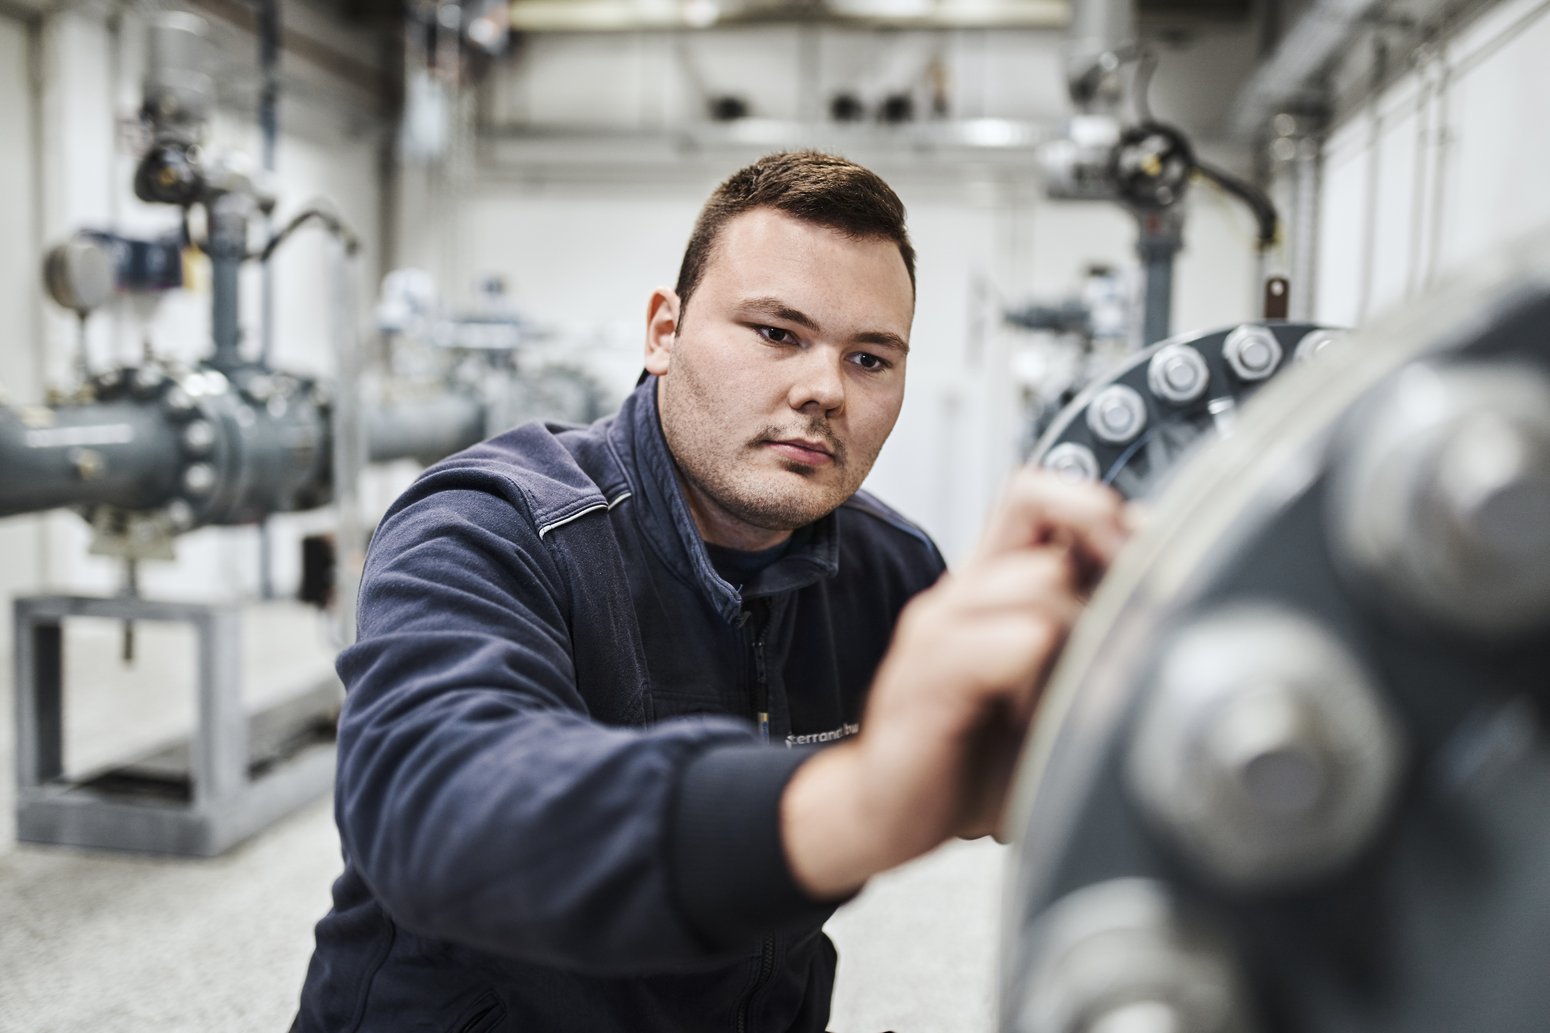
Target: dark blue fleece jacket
(556, 809)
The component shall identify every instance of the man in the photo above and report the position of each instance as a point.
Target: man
(576, 790)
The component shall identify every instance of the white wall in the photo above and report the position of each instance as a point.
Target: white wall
(1438, 170)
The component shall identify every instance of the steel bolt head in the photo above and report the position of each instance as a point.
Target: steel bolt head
(1252, 352)
(199, 479)
(178, 401)
(199, 437)
(1493, 483)
(147, 378)
(180, 515)
(1128, 956)
(1269, 747)
(1178, 374)
(260, 389)
(1314, 343)
(1072, 462)
(1439, 504)
(1264, 751)
(1117, 415)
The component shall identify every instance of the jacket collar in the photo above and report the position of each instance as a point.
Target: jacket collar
(662, 513)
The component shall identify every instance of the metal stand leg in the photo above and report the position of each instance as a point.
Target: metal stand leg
(221, 750)
(39, 702)
(236, 786)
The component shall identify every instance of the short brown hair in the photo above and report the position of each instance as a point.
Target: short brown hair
(810, 185)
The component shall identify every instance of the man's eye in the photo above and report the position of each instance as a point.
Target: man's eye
(870, 362)
(775, 335)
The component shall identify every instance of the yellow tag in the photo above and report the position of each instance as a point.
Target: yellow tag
(196, 270)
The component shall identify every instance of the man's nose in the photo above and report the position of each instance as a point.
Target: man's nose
(820, 383)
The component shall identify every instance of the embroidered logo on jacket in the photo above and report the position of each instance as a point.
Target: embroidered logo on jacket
(844, 731)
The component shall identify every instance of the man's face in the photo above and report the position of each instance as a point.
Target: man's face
(785, 376)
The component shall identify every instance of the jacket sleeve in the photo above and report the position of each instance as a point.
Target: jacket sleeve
(483, 806)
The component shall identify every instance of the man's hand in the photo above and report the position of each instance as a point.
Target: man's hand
(955, 693)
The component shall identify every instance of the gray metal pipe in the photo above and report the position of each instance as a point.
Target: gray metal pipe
(424, 429)
(240, 463)
(228, 246)
(1288, 77)
(122, 454)
(1157, 244)
(1307, 180)
(1101, 31)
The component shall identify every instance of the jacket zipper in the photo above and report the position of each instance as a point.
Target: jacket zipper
(761, 714)
(761, 686)
(758, 614)
(766, 966)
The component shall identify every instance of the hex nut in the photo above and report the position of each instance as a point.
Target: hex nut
(1265, 751)
(1178, 374)
(199, 437)
(1127, 955)
(1117, 415)
(1072, 462)
(180, 515)
(199, 479)
(1438, 504)
(1314, 343)
(1252, 352)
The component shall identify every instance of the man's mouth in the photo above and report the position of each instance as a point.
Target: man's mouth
(806, 451)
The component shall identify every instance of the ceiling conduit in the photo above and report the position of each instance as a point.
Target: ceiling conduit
(1305, 51)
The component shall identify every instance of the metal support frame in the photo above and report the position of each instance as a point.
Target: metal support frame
(235, 785)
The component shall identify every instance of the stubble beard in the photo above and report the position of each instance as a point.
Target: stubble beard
(733, 482)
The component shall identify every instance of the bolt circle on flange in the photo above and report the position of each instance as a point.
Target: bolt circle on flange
(1265, 752)
(1117, 414)
(1072, 462)
(1178, 374)
(1252, 352)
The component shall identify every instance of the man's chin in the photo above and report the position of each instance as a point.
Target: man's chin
(788, 512)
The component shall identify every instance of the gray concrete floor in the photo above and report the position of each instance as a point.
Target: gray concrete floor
(138, 944)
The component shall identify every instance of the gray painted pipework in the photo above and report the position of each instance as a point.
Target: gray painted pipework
(1098, 27)
(424, 429)
(228, 247)
(115, 454)
(210, 448)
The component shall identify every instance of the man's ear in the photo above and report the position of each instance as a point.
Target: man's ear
(661, 329)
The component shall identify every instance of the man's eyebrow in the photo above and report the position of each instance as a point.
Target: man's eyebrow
(777, 309)
(885, 338)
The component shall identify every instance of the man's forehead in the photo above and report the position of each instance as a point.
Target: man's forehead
(766, 255)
